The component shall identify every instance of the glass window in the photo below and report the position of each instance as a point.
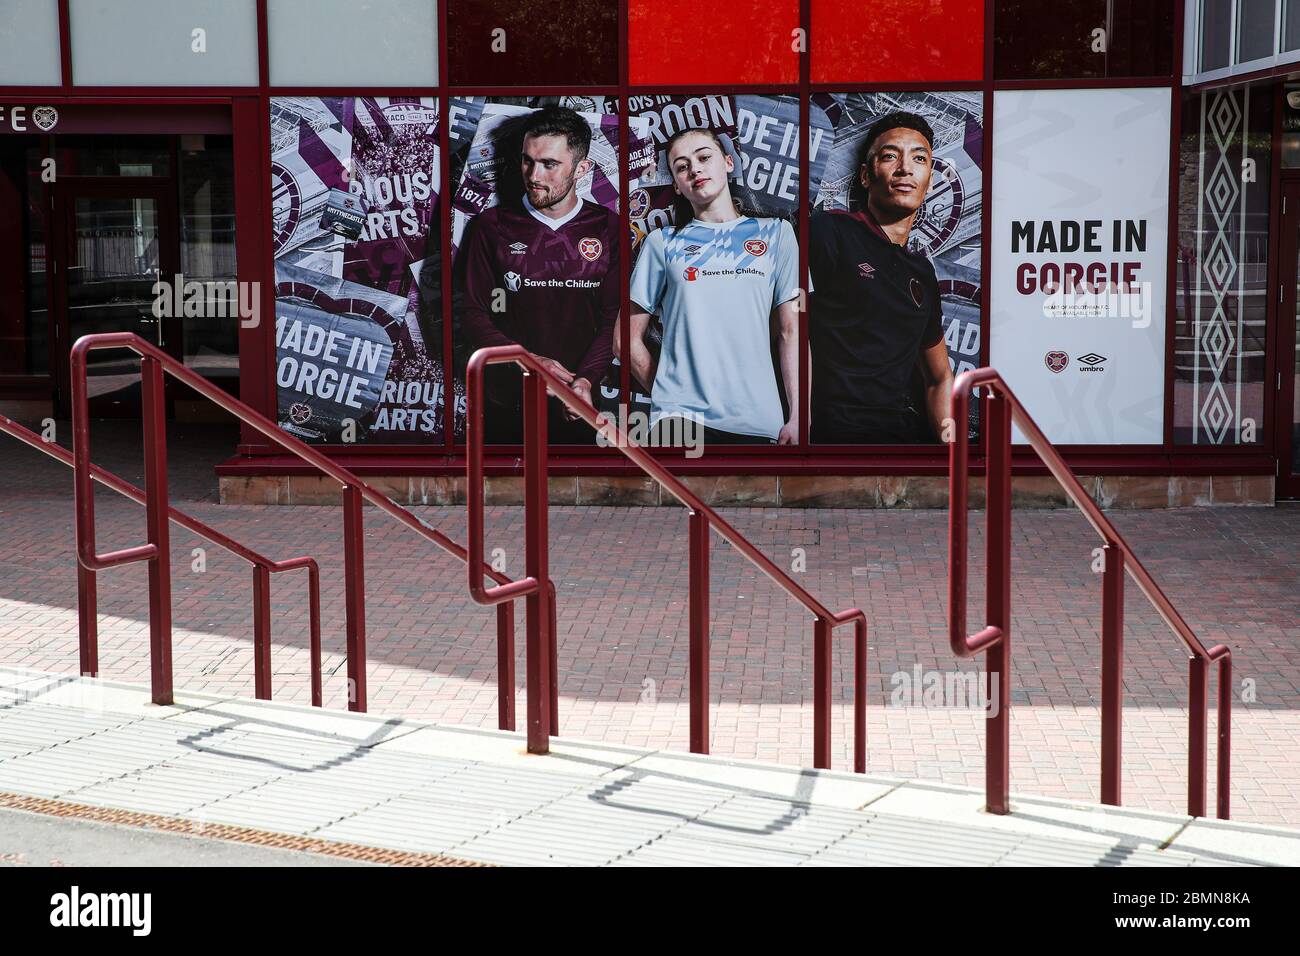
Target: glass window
(944, 40)
(1216, 34)
(509, 43)
(1222, 271)
(1291, 25)
(747, 41)
(325, 42)
(164, 42)
(1255, 29)
(113, 155)
(29, 43)
(1084, 38)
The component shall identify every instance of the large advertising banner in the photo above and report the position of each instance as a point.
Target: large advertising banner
(354, 199)
(945, 233)
(1079, 259)
(724, 359)
(548, 283)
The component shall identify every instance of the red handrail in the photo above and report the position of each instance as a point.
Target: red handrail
(263, 567)
(994, 639)
(540, 649)
(153, 363)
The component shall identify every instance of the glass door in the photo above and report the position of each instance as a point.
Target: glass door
(1286, 379)
(117, 241)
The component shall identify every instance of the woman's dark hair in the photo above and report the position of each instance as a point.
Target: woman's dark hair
(683, 211)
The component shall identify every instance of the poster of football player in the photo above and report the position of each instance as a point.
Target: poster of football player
(894, 263)
(718, 216)
(355, 187)
(536, 232)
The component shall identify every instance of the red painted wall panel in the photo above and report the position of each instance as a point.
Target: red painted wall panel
(897, 41)
(742, 41)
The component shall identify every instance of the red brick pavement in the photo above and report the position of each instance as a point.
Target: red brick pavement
(621, 579)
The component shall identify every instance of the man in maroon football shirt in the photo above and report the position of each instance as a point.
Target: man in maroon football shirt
(543, 272)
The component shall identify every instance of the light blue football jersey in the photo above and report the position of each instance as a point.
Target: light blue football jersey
(714, 286)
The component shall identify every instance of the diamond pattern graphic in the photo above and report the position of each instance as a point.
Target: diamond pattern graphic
(1223, 116)
(1218, 339)
(1222, 192)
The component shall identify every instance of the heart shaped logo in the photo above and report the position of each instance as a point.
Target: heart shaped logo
(1056, 361)
(45, 117)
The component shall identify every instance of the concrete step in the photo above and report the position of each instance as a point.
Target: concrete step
(331, 780)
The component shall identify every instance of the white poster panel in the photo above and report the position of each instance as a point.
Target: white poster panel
(1080, 244)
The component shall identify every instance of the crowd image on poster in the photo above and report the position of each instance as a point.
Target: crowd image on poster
(355, 186)
(715, 286)
(536, 235)
(894, 266)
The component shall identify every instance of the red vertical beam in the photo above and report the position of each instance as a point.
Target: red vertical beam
(698, 537)
(253, 259)
(87, 622)
(801, 411)
(624, 343)
(261, 632)
(354, 584)
(157, 511)
(1112, 672)
(1197, 719)
(1223, 755)
(997, 767)
(822, 694)
(506, 665)
(537, 640)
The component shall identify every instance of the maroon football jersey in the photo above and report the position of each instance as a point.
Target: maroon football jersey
(560, 285)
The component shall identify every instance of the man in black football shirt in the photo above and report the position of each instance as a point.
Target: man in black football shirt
(874, 314)
(543, 272)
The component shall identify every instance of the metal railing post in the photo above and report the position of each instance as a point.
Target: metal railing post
(506, 665)
(1197, 720)
(354, 584)
(261, 632)
(822, 694)
(313, 613)
(87, 622)
(698, 535)
(538, 614)
(1112, 672)
(157, 521)
(997, 767)
(860, 695)
(1223, 755)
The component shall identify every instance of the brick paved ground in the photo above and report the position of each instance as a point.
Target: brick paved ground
(621, 577)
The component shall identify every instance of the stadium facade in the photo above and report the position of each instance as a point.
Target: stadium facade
(282, 192)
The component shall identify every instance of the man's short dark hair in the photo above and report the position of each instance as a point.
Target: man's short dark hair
(899, 120)
(562, 121)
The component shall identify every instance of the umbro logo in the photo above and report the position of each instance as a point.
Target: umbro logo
(692, 249)
(519, 248)
(866, 269)
(1092, 362)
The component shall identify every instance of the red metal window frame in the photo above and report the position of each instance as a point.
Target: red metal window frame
(250, 108)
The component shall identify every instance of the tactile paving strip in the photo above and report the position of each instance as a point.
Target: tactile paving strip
(218, 831)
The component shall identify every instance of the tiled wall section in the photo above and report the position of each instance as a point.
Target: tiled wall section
(757, 491)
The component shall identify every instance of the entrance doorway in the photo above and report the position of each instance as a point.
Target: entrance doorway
(98, 219)
(113, 240)
(1287, 347)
